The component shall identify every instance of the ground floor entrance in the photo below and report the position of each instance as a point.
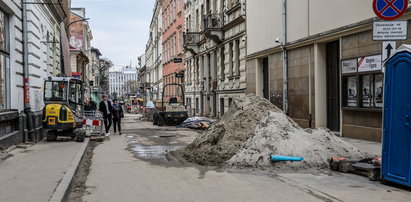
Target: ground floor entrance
(333, 85)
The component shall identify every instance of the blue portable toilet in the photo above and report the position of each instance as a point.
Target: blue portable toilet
(396, 151)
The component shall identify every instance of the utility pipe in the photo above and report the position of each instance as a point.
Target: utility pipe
(25, 58)
(285, 57)
(26, 82)
(310, 117)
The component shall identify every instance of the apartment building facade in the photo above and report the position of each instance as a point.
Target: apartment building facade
(80, 47)
(153, 53)
(173, 57)
(32, 37)
(95, 75)
(215, 44)
(119, 79)
(313, 60)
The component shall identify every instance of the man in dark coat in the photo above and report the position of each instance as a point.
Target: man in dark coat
(93, 105)
(106, 108)
(118, 114)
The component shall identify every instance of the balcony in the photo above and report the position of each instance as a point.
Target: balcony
(212, 26)
(191, 40)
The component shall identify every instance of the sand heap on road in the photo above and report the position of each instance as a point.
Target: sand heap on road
(225, 137)
(253, 129)
(277, 134)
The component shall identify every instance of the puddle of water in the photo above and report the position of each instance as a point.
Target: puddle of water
(166, 136)
(155, 152)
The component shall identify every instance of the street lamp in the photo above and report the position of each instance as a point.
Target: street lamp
(76, 21)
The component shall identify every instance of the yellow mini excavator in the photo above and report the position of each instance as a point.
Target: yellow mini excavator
(63, 112)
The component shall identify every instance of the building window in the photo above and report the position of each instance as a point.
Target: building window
(222, 63)
(180, 41)
(4, 60)
(174, 10)
(180, 5)
(176, 46)
(237, 57)
(230, 56)
(362, 86)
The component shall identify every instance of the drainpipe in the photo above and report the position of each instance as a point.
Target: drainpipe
(26, 83)
(310, 116)
(285, 58)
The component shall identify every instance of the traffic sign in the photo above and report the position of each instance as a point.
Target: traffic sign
(179, 75)
(388, 48)
(390, 30)
(178, 60)
(390, 9)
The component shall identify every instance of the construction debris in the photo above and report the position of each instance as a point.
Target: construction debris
(254, 129)
(226, 136)
(199, 123)
(277, 134)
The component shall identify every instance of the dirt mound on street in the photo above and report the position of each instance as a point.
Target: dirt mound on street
(225, 137)
(253, 129)
(277, 134)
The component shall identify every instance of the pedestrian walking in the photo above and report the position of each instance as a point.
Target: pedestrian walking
(87, 106)
(106, 108)
(118, 114)
(93, 105)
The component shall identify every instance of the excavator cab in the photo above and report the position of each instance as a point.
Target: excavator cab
(63, 111)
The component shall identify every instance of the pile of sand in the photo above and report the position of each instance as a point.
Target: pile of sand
(277, 134)
(253, 129)
(225, 137)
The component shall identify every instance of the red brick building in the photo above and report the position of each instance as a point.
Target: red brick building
(173, 30)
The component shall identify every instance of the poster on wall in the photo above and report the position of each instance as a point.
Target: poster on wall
(349, 66)
(379, 90)
(370, 63)
(366, 91)
(352, 91)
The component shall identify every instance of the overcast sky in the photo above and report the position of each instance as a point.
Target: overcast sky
(120, 27)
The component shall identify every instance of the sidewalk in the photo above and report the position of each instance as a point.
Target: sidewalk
(33, 174)
(372, 148)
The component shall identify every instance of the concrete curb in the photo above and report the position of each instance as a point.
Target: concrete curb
(63, 189)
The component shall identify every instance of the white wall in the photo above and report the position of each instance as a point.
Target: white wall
(330, 14)
(16, 58)
(44, 60)
(263, 24)
(304, 18)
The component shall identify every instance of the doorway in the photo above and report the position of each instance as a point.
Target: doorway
(333, 85)
(221, 107)
(266, 84)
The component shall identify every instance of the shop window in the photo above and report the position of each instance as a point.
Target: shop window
(351, 83)
(378, 90)
(362, 87)
(366, 88)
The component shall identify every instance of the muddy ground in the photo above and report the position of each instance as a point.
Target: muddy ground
(137, 167)
(78, 189)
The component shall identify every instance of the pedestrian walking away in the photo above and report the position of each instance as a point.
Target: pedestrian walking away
(93, 105)
(106, 108)
(118, 114)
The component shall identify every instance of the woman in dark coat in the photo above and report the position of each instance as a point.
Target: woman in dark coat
(118, 114)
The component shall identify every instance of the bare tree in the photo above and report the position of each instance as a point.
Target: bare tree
(104, 67)
(131, 87)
